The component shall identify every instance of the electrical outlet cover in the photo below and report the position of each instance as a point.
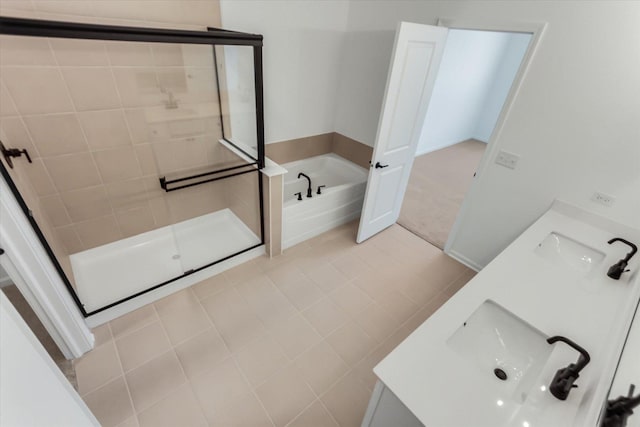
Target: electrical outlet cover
(506, 159)
(603, 199)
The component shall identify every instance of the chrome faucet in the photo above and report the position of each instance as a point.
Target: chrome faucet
(309, 187)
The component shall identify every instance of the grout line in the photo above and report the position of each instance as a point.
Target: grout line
(253, 389)
(126, 383)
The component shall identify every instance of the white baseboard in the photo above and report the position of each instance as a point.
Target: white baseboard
(464, 260)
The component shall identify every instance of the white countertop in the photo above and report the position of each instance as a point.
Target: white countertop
(441, 388)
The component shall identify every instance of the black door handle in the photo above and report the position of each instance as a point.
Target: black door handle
(379, 166)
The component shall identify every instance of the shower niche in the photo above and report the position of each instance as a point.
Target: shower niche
(145, 148)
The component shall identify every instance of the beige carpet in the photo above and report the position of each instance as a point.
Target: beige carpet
(438, 183)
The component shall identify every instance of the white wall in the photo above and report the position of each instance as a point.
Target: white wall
(467, 72)
(302, 44)
(574, 122)
(507, 67)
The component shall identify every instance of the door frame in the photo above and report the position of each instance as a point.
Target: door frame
(536, 29)
(33, 273)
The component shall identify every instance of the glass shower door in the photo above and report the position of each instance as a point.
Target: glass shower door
(132, 182)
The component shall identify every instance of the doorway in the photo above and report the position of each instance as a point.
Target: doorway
(477, 72)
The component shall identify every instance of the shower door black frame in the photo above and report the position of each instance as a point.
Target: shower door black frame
(214, 37)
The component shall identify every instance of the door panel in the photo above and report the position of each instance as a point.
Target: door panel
(414, 64)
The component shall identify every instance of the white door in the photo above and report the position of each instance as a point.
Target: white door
(414, 65)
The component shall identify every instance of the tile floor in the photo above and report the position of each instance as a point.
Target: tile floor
(289, 341)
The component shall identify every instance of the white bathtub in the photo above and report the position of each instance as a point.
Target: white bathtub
(340, 201)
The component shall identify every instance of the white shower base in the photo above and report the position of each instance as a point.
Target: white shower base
(117, 270)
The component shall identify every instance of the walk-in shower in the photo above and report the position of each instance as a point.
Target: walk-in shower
(144, 150)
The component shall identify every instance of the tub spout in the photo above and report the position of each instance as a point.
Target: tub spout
(309, 187)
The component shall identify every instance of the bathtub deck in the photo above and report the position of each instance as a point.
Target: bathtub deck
(117, 270)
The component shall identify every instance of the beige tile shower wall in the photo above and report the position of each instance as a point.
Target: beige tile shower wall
(352, 150)
(156, 13)
(302, 148)
(243, 198)
(91, 114)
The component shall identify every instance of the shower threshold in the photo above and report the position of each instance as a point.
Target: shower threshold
(118, 270)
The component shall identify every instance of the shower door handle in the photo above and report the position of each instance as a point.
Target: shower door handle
(379, 166)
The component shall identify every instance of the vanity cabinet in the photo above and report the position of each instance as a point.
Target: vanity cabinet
(385, 410)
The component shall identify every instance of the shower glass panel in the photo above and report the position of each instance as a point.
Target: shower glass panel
(146, 152)
(236, 77)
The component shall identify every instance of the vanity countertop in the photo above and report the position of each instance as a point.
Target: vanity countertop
(443, 387)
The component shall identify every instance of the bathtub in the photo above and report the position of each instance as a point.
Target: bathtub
(340, 201)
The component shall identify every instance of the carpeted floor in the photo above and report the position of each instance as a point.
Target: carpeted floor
(438, 183)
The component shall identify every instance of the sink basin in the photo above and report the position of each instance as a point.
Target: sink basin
(503, 347)
(566, 252)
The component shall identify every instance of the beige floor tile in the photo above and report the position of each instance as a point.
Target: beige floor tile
(102, 334)
(130, 422)
(375, 283)
(266, 300)
(347, 401)
(220, 387)
(180, 408)
(299, 289)
(285, 396)
(295, 335)
(372, 255)
(155, 380)
(351, 299)
(426, 311)
(244, 412)
(243, 326)
(185, 323)
(437, 273)
(243, 272)
(350, 265)
(260, 359)
(110, 404)
(97, 367)
(182, 300)
(422, 289)
(363, 371)
(202, 353)
(133, 321)
(321, 367)
(327, 277)
(325, 316)
(233, 318)
(142, 345)
(211, 286)
(397, 305)
(351, 343)
(377, 323)
(315, 415)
